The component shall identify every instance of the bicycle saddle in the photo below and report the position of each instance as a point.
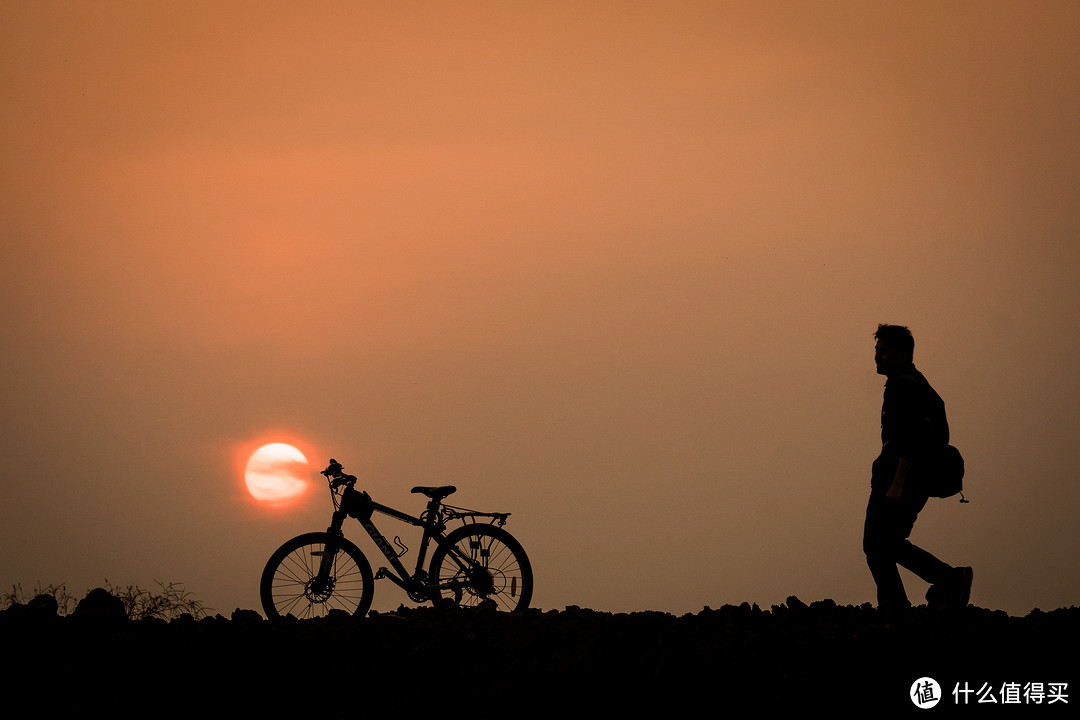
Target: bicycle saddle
(435, 493)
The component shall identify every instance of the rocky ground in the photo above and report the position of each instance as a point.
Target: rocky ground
(475, 663)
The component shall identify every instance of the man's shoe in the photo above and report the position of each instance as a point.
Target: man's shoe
(964, 577)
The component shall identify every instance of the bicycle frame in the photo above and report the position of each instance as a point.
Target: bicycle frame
(360, 506)
(432, 531)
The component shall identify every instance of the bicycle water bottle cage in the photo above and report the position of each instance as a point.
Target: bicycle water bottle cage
(356, 504)
(435, 493)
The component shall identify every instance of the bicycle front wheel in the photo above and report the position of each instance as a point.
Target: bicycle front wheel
(307, 578)
(482, 562)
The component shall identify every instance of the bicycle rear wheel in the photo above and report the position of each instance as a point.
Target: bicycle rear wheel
(291, 582)
(483, 562)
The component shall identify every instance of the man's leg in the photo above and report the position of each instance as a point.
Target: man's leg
(911, 556)
(882, 534)
(922, 563)
(949, 586)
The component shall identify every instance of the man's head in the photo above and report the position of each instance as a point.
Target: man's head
(895, 348)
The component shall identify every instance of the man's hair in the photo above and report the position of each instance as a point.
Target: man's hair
(897, 337)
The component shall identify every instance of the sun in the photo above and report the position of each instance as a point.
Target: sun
(277, 474)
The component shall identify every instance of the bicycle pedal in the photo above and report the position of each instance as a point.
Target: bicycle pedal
(381, 573)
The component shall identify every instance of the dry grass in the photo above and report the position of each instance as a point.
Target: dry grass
(168, 602)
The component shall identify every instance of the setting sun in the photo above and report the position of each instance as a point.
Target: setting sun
(277, 474)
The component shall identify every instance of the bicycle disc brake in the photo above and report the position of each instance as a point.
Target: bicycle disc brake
(319, 591)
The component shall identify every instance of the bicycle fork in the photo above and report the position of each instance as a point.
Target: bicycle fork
(322, 585)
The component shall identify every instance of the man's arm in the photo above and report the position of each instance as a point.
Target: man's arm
(903, 467)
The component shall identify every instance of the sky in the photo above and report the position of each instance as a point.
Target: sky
(612, 267)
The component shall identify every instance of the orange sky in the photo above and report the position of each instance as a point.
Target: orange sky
(613, 267)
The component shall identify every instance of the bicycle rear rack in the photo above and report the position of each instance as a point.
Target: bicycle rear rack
(467, 516)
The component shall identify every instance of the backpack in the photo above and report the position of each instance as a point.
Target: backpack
(941, 473)
(944, 475)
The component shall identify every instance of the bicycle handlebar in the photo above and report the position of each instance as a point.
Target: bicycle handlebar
(336, 477)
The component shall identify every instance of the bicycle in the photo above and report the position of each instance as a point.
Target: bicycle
(476, 563)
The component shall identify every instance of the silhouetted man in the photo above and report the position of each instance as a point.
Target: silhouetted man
(913, 423)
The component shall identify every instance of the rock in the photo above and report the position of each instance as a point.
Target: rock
(40, 608)
(100, 605)
(246, 617)
(43, 605)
